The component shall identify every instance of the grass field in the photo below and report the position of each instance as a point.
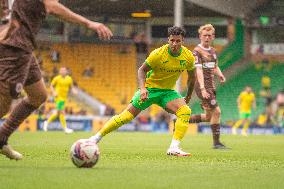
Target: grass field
(138, 160)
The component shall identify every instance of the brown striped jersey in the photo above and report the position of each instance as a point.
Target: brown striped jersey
(206, 58)
(25, 21)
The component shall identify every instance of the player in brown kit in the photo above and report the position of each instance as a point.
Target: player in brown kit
(206, 68)
(18, 68)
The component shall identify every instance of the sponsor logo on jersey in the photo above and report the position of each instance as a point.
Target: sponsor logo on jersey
(209, 65)
(19, 87)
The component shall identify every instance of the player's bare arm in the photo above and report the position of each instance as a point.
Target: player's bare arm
(219, 73)
(55, 8)
(53, 91)
(200, 79)
(142, 71)
(190, 85)
(74, 90)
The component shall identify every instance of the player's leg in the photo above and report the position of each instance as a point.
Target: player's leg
(182, 111)
(53, 117)
(117, 121)
(238, 123)
(36, 95)
(215, 127)
(63, 122)
(5, 149)
(245, 127)
(133, 109)
(198, 118)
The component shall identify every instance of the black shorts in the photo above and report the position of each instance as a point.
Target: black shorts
(18, 68)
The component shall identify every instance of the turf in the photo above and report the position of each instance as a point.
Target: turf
(138, 160)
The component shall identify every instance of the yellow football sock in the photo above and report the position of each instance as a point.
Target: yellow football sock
(246, 126)
(116, 121)
(238, 124)
(182, 122)
(52, 118)
(62, 121)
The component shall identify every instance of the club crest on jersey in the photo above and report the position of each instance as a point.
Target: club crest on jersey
(182, 62)
(213, 102)
(19, 87)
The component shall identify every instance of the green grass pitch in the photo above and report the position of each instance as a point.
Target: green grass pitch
(138, 160)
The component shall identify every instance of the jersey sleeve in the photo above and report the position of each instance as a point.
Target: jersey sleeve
(54, 81)
(152, 59)
(197, 59)
(191, 61)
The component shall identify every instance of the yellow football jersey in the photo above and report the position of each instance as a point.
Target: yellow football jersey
(246, 102)
(62, 86)
(166, 67)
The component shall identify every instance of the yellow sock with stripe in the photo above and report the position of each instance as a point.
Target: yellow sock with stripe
(182, 122)
(63, 121)
(116, 121)
(52, 118)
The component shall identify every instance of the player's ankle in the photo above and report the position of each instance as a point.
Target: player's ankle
(3, 142)
(96, 138)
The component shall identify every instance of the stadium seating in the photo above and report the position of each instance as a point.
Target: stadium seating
(114, 80)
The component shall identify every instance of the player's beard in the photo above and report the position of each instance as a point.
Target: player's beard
(175, 49)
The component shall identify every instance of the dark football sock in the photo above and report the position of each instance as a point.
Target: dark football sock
(17, 116)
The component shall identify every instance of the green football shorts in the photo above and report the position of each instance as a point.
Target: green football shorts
(245, 115)
(156, 96)
(60, 104)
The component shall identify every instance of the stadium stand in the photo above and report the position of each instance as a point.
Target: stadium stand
(114, 78)
(252, 77)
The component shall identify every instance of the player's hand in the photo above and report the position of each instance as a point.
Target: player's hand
(205, 94)
(102, 31)
(222, 79)
(144, 94)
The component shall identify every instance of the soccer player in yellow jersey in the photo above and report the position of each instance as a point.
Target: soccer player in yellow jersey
(246, 101)
(60, 87)
(157, 78)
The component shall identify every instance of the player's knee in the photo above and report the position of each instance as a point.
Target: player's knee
(183, 113)
(38, 100)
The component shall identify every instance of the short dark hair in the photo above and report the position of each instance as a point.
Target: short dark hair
(175, 30)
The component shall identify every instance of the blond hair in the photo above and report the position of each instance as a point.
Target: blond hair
(207, 27)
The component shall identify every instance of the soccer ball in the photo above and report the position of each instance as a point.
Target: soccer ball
(84, 153)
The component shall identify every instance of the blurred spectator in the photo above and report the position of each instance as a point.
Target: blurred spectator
(144, 118)
(109, 111)
(55, 71)
(260, 49)
(161, 122)
(141, 43)
(88, 72)
(265, 91)
(4, 11)
(124, 49)
(55, 56)
(266, 64)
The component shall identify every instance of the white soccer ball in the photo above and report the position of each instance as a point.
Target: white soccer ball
(84, 153)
